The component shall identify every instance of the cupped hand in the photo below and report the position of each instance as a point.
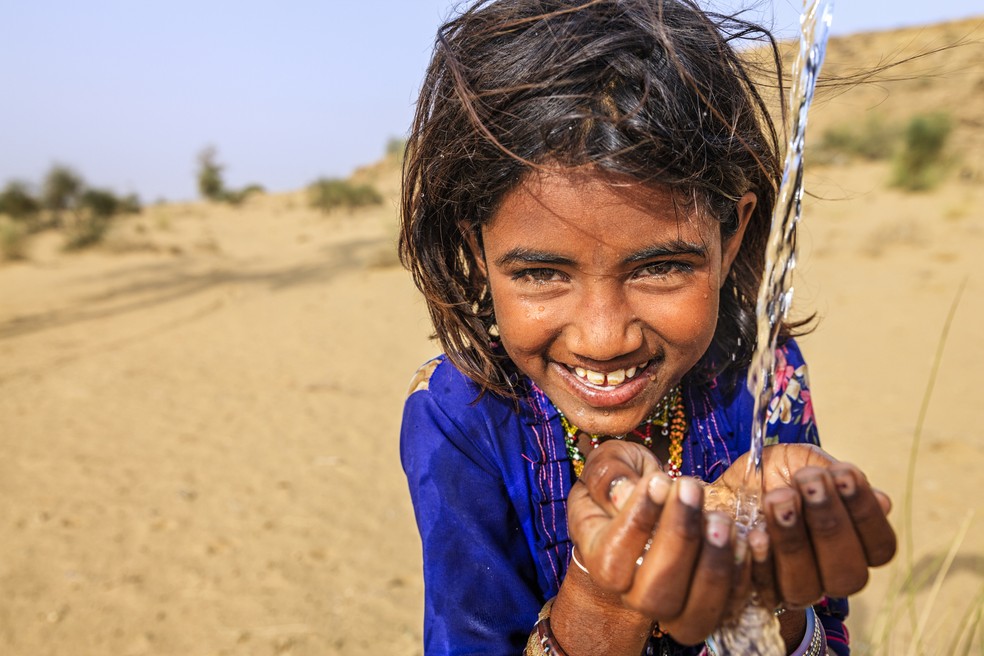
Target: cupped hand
(825, 526)
(647, 538)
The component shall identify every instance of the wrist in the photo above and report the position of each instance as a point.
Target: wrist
(584, 618)
(792, 627)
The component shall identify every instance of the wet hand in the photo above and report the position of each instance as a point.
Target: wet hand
(645, 537)
(825, 526)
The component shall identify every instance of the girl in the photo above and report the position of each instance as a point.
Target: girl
(587, 194)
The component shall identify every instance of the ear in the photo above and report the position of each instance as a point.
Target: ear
(472, 239)
(732, 243)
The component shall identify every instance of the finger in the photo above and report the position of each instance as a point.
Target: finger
(867, 508)
(883, 500)
(663, 579)
(742, 577)
(763, 569)
(613, 547)
(795, 566)
(711, 587)
(838, 551)
(612, 462)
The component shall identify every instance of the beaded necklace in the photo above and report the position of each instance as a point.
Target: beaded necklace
(668, 416)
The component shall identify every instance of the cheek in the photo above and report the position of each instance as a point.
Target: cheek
(524, 326)
(689, 321)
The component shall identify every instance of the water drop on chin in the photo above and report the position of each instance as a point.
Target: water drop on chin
(608, 413)
(540, 309)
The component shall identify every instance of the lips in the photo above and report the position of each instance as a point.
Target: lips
(607, 389)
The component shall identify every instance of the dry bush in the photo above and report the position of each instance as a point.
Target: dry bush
(327, 194)
(922, 163)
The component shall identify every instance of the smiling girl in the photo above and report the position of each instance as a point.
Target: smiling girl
(587, 194)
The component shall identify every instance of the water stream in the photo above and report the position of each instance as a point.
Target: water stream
(755, 632)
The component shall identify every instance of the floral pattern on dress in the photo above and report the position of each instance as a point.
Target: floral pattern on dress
(791, 403)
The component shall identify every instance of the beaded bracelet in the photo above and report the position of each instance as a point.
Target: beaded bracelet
(542, 641)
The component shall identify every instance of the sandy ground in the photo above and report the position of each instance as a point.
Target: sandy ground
(199, 421)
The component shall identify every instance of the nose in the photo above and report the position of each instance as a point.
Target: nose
(603, 325)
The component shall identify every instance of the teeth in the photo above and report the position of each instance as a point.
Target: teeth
(616, 377)
(596, 378)
(612, 378)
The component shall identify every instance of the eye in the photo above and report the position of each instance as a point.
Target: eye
(663, 269)
(539, 276)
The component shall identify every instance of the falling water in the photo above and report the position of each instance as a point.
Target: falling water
(756, 631)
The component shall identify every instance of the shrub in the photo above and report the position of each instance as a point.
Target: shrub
(130, 204)
(13, 240)
(237, 196)
(96, 208)
(88, 230)
(876, 139)
(17, 202)
(920, 164)
(210, 184)
(395, 147)
(327, 194)
(61, 189)
(100, 203)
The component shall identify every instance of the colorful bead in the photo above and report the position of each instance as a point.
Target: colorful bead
(669, 416)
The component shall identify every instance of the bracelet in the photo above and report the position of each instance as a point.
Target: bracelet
(542, 641)
(814, 641)
(578, 562)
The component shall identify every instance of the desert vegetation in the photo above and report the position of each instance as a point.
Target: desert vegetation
(64, 202)
(211, 185)
(921, 162)
(917, 150)
(327, 194)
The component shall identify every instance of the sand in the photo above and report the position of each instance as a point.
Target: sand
(199, 420)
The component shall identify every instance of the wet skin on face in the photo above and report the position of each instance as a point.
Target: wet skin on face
(605, 294)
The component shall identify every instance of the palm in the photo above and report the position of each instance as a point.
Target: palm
(779, 463)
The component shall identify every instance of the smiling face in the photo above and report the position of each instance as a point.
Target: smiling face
(604, 298)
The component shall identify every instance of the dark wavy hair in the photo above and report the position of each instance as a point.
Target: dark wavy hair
(650, 90)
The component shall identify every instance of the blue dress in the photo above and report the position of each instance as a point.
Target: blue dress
(489, 483)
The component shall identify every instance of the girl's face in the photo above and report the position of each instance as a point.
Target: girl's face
(604, 296)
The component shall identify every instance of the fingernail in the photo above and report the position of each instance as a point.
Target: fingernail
(785, 513)
(659, 489)
(620, 491)
(689, 492)
(718, 530)
(758, 541)
(814, 489)
(845, 483)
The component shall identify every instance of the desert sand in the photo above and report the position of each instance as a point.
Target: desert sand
(199, 419)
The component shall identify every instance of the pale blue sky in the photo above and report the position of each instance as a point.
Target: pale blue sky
(127, 92)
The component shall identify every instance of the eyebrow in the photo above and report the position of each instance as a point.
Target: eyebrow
(530, 256)
(675, 247)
